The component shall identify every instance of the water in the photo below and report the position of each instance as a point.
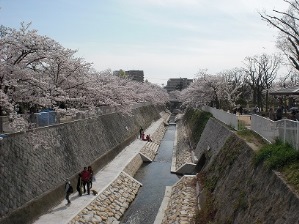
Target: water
(154, 176)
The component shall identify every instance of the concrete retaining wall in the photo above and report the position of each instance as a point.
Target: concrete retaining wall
(239, 191)
(134, 165)
(35, 164)
(211, 141)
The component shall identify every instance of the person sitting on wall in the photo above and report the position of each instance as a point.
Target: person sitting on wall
(148, 138)
(143, 137)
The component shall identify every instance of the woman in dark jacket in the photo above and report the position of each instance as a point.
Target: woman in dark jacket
(79, 185)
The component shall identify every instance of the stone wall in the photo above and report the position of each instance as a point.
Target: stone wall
(235, 190)
(35, 164)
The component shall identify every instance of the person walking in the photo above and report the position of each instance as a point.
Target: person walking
(272, 114)
(279, 113)
(68, 189)
(241, 110)
(140, 132)
(91, 176)
(79, 185)
(85, 175)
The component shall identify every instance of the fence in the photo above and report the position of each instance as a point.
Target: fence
(264, 127)
(285, 130)
(225, 117)
(47, 118)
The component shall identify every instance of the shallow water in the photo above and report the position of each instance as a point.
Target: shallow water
(154, 176)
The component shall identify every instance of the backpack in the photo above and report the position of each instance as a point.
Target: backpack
(70, 190)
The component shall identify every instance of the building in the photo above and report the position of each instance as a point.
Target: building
(177, 84)
(288, 97)
(135, 75)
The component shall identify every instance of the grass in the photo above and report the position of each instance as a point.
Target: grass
(291, 173)
(277, 155)
(283, 158)
(196, 120)
(252, 137)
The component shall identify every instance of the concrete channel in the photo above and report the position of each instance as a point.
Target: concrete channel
(155, 177)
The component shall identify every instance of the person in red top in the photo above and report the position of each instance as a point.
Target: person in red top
(85, 175)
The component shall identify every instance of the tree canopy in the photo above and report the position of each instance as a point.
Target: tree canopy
(37, 72)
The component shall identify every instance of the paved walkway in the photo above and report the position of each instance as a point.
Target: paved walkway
(64, 214)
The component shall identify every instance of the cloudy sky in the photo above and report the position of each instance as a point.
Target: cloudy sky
(164, 38)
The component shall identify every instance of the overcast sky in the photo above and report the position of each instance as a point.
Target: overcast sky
(164, 38)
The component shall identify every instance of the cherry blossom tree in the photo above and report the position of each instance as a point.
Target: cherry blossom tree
(22, 53)
(222, 90)
(232, 86)
(37, 72)
(205, 89)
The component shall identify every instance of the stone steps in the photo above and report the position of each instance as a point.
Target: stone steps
(110, 204)
(149, 151)
(180, 202)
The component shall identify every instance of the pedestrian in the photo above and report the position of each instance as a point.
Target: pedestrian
(272, 114)
(85, 175)
(68, 189)
(257, 109)
(293, 115)
(241, 110)
(279, 113)
(91, 176)
(140, 132)
(79, 185)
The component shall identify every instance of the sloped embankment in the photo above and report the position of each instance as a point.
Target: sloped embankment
(232, 189)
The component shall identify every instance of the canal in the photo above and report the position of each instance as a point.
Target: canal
(154, 176)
